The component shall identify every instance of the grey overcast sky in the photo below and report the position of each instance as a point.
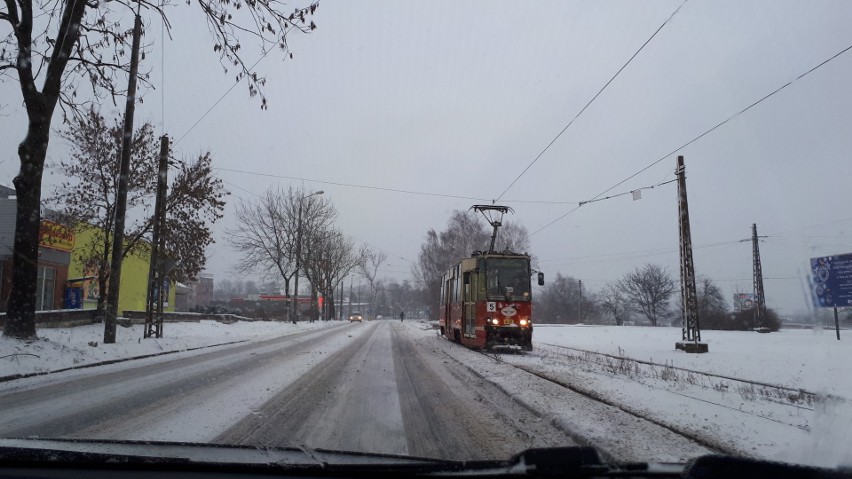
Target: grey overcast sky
(458, 98)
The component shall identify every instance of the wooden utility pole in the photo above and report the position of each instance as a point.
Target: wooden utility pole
(691, 330)
(154, 305)
(121, 195)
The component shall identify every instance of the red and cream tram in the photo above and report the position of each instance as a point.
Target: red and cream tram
(486, 301)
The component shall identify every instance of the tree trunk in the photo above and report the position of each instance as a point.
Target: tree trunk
(313, 310)
(100, 312)
(20, 315)
(103, 280)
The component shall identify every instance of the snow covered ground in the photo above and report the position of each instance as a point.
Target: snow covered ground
(625, 390)
(63, 348)
(798, 358)
(737, 416)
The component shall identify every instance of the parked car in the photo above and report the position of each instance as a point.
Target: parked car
(355, 317)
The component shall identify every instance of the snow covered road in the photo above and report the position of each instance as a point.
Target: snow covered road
(381, 386)
(386, 393)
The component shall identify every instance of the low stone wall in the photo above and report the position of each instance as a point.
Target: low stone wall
(68, 318)
(61, 318)
(138, 317)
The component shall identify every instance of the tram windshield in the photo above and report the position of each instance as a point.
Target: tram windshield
(508, 279)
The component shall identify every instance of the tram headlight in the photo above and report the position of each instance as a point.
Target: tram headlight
(523, 322)
(494, 321)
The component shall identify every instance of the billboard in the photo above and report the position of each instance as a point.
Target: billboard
(831, 278)
(743, 301)
(56, 236)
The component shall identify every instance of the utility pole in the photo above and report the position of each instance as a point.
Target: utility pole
(154, 322)
(299, 255)
(759, 300)
(350, 296)
(580, 301)
(121, 195)
(691, 330)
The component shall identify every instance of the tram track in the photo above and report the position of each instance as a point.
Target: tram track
(607, 447)
(713, 445)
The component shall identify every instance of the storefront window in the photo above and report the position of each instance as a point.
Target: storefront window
(45, 287)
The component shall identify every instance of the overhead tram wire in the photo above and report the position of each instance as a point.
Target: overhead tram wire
(381, 188)
(626, 192)
(702, 135)
(591, 101)
(217, 102)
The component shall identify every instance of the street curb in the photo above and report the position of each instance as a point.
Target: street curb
(13, 377)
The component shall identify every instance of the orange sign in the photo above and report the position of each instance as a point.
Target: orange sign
(55, 236)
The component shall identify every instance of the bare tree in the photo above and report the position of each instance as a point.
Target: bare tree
(613, 300)
(264, 238)
(267, 230)
(711, 300)
(562, 301)
(369, 268)
(86, 197)
(713, 310)
(464, 234)
(649, 290)
(330, 258)
(513, 237)
(64, 43)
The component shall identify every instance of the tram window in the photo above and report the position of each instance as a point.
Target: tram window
(508, 278)
(444, 289)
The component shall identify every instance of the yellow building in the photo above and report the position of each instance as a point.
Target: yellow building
(134, 276)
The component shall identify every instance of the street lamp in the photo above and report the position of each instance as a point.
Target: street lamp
(295, 313)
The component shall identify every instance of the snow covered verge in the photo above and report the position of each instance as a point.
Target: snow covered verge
(613, 402)
(806, 419)
(798, 358)
(63, 348)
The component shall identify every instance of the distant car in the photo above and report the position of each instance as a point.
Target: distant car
(355, 317)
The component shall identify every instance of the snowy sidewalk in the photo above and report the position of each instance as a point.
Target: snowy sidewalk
(64, 348)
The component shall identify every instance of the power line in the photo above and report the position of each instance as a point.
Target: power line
(628, 256)
(217, 102)
(627, 192)
(702, 135)
(590, 101)
(380, 249)
(382, 188)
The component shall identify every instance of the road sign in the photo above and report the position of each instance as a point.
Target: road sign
(832, 281)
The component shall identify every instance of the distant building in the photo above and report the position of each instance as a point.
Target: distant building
(61, 266)
(203, 290)
(54, 255)
(133, 292)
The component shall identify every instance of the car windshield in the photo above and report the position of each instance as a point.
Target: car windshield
(451, 230)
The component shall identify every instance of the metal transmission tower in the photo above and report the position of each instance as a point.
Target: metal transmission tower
(157, 271)
(691, 341)
(759, 299)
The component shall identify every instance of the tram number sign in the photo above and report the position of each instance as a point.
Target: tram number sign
(491, 307)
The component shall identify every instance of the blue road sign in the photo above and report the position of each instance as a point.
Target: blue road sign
(832, 281)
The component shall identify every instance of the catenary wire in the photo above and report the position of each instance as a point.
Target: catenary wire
(217, 102)
(590, 101)
(702, 135)
(382, 188)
